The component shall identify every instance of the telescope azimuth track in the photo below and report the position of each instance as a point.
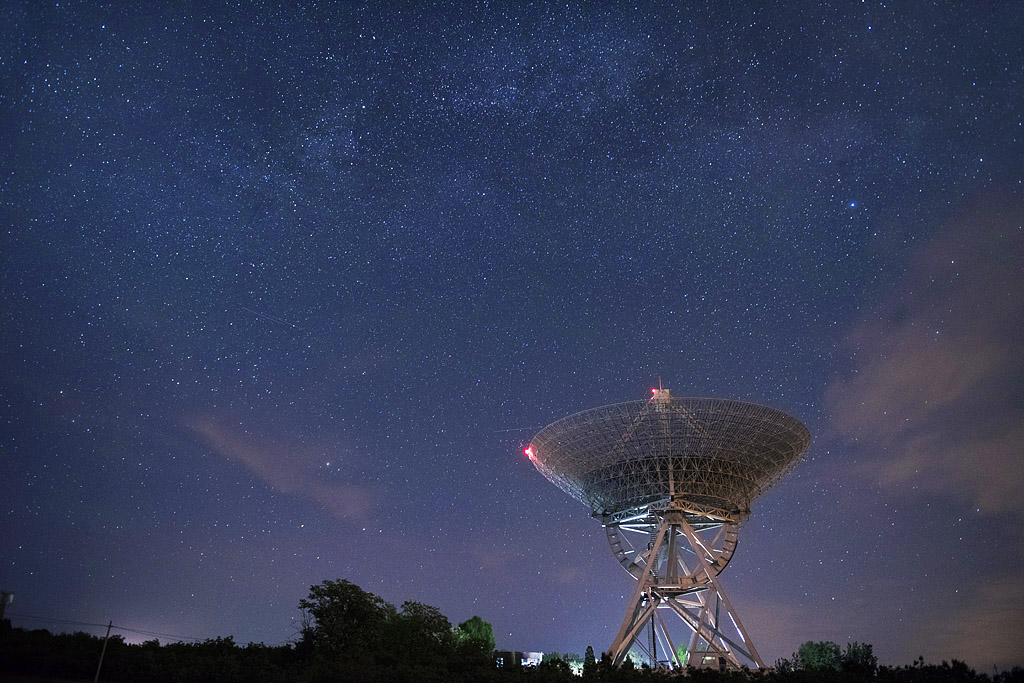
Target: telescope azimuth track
(672, 479)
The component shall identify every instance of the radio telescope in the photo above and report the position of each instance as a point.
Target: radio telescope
(672, 480)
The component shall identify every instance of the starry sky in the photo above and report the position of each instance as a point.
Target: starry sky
(285, 288)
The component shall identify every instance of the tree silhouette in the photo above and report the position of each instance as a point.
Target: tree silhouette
(589, 663)
(818, 656)
(859, 660)
(346, 621)
(475, 635)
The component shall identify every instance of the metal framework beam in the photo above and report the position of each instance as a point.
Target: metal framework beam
(678, 572)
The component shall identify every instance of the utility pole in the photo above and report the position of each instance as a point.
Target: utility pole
(103, 652)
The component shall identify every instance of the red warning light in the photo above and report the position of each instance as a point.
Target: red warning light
(529, 452)
(654, 391)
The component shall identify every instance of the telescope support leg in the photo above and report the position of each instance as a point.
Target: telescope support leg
(695, 595)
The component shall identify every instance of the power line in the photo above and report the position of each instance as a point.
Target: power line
(55, 621)
(156, 633)
(70, 622)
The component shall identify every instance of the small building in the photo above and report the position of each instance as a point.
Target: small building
(510, 659)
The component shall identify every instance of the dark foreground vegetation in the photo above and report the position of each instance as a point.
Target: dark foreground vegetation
(351, 635)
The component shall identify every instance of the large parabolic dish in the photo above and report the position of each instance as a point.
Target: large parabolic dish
(714, 455)
(672, 479)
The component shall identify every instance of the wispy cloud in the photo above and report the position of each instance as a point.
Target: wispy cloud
(934, 398)
(287, 469)
(490, 558)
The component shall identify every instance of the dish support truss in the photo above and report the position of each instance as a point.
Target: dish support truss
(676, 555)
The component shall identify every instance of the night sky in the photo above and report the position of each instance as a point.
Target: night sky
(283, 291)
